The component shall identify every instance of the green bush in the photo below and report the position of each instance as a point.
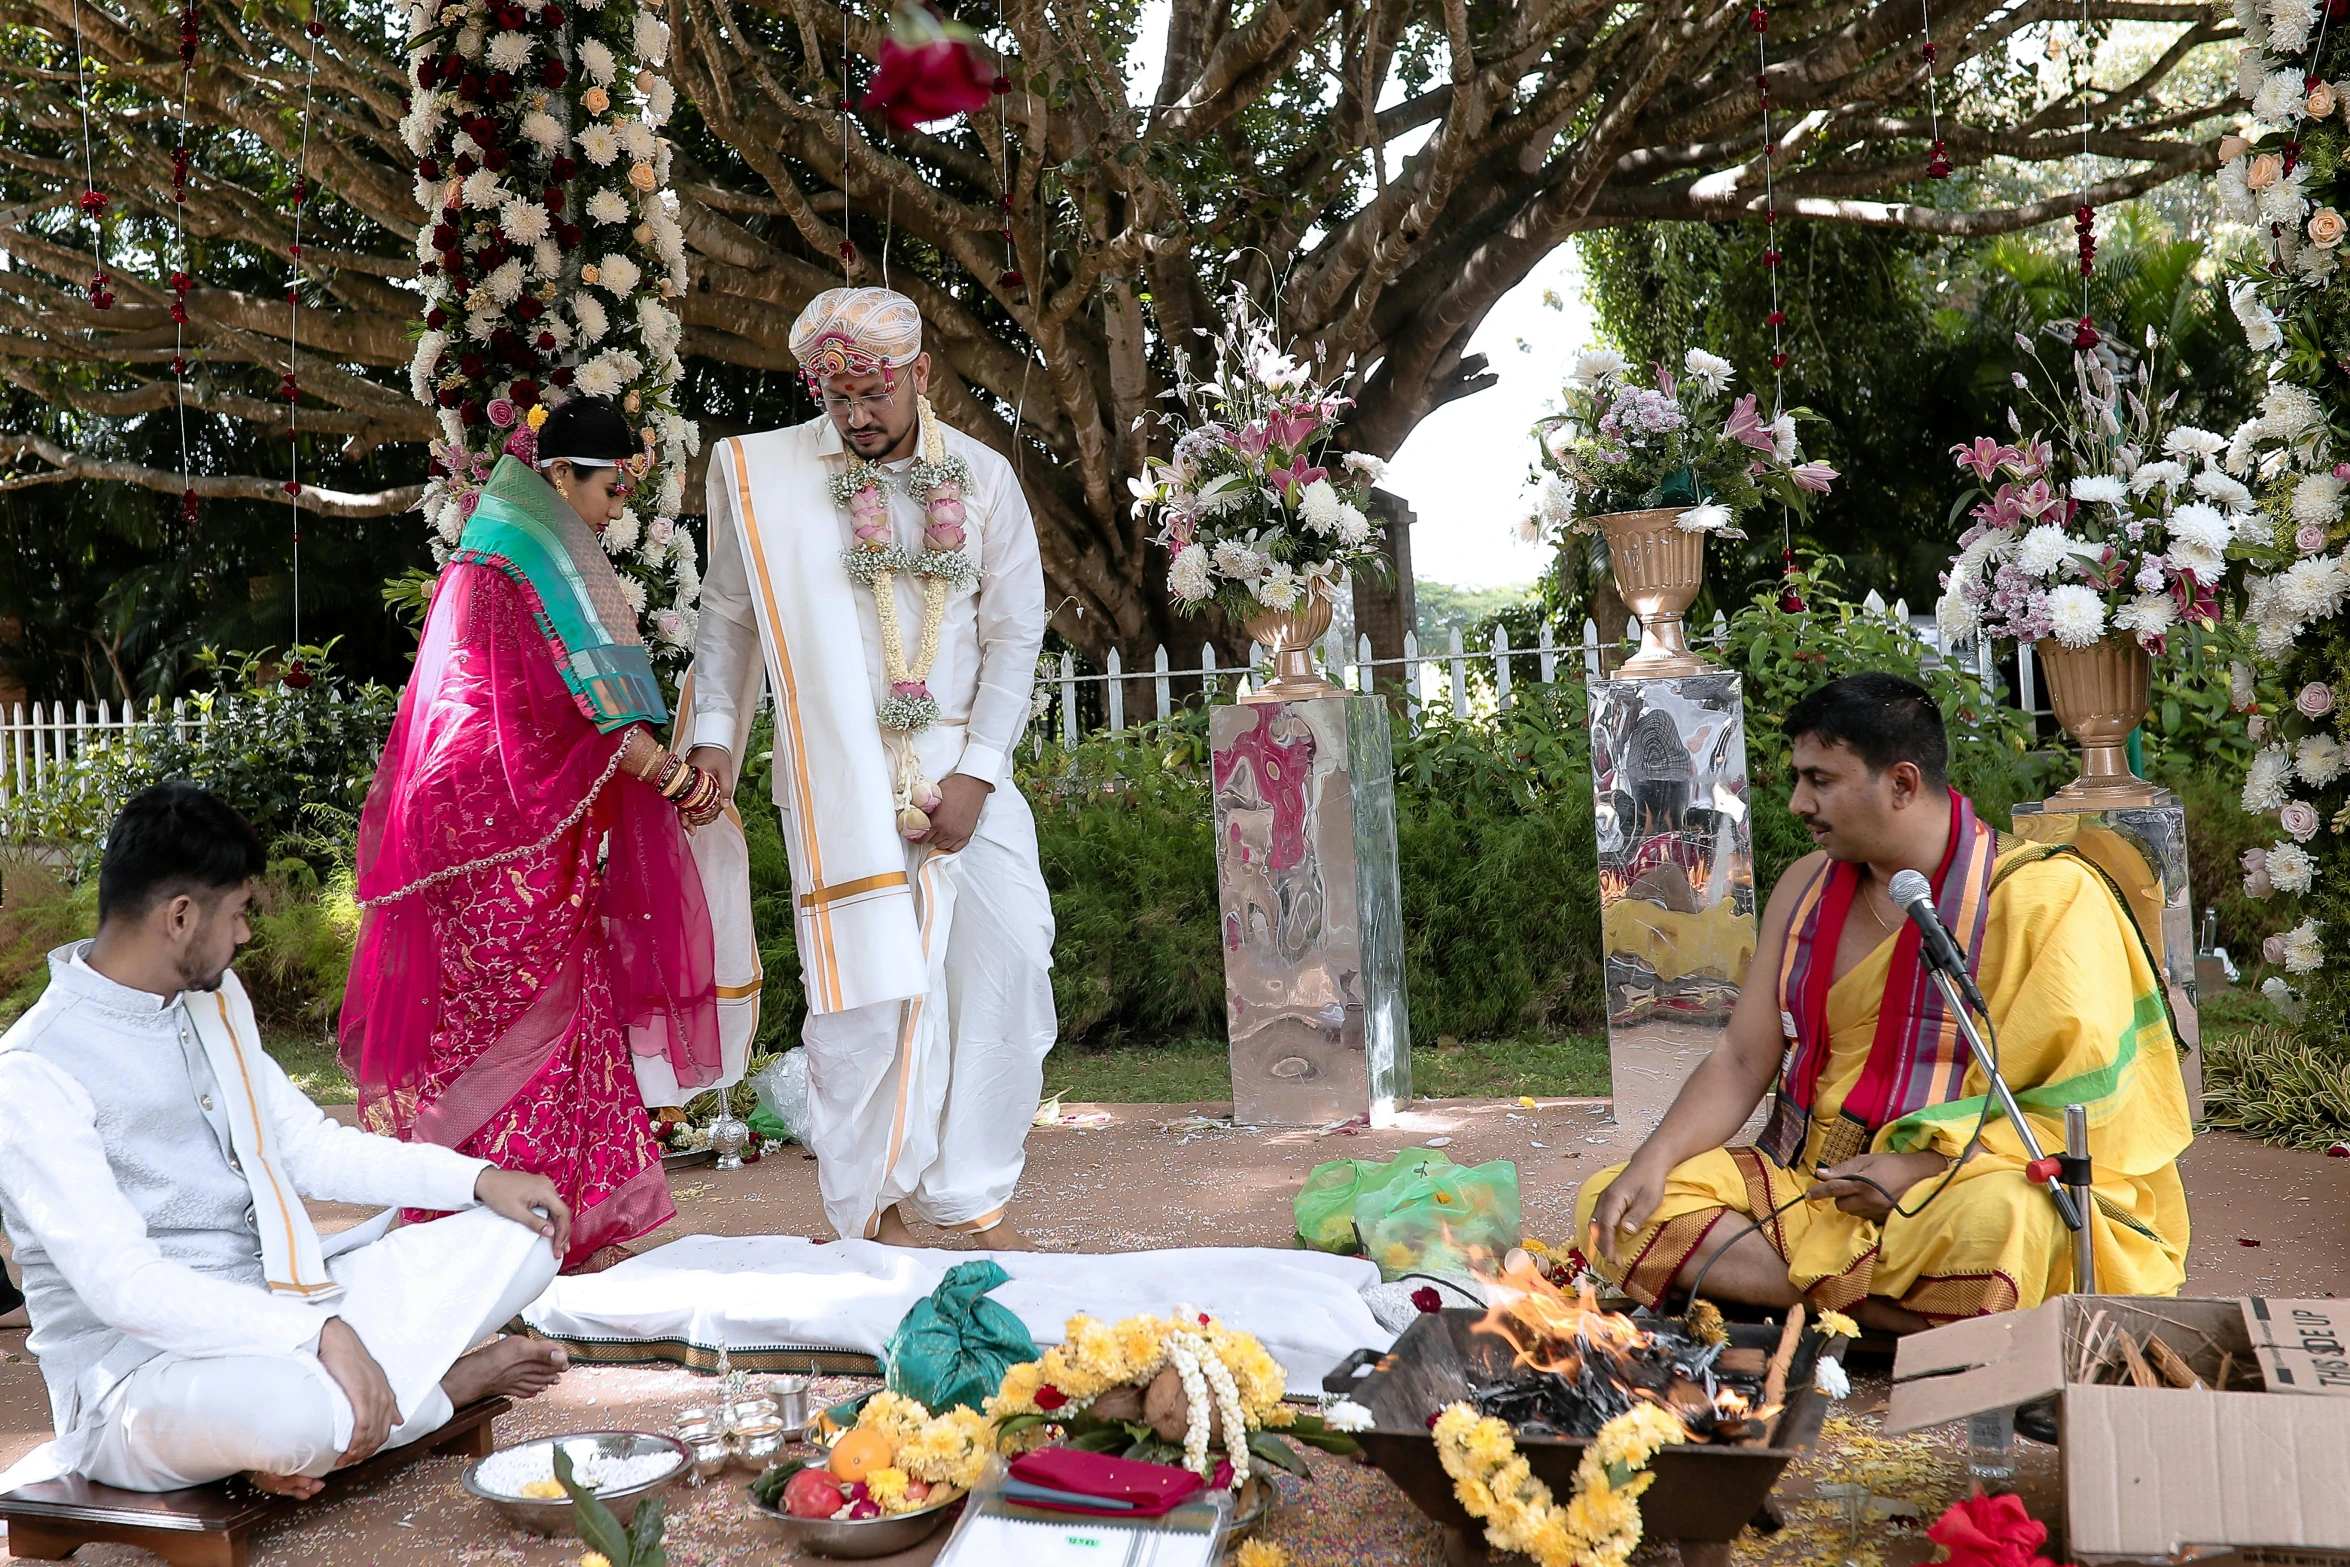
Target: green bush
(2271, 1082)
(275, 753)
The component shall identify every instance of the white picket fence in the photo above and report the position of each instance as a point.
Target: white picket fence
(1428, 678)
(38, 740)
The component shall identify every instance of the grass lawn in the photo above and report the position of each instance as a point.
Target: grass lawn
(1187, 1070)
(314, 1067)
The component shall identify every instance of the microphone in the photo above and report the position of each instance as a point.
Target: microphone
(1915, 897)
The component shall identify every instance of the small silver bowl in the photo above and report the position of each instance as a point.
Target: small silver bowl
(758, 1441)
(711, 1455)
(555, 1515)
(862, 1538)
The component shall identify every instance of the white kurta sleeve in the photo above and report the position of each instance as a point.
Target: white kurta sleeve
(1011, 629)
(726, 648)
(338, 1163)
(55, 1181)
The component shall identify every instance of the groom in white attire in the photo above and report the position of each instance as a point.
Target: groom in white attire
(880, 570)
(189, 1322)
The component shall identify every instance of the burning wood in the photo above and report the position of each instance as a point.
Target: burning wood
(1577, 1367)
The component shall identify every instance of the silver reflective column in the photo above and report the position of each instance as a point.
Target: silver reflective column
(1676, 876)
(1312, 911)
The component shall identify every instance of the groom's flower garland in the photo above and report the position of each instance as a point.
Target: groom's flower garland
(937, 479)
(551, 260)
(2284, 178)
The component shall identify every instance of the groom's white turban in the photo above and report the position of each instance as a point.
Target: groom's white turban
(855, 331)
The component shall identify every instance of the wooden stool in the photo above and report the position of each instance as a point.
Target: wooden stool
(206, 1525)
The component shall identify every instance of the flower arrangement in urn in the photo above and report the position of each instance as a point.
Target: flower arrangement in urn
(1182, 1389)
(1656, 464)
(2096, 541)
(1256, 509)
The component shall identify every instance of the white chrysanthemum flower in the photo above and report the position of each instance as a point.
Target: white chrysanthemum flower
(588, 311)
(668, 238)
(2043, 549)
(2304, 953)
(1370, 467)
(633, 592)
(624, 366)
(651, 38)
(546, 261)
(1783, 442)
(2205, 565)
(661, 102)
(1710, 371)
(1596, 365)
(2076, 615)
(1317, 506)
(2287, 201)
(2261, 332)
(2289, 866)
(485, 190)
(2188, 444)
(2266, 780)
(599, 144)
(658, 325)
(470, 38)
(1710, 517)
(672, 498)
(1238, 562)
(482, 317)
(452, 427)
(426, 249)
(2317, 498)
(2201, 527)
(2286, 410)
(2100, 487)
(1188, 575)
(421, 123)
(508, 52)
(543, 131)
(595, 58)
(2241, 447)
(2278, 100)
(620, 274)
(524, 222)
(462, 145)
(2150, 615)
(1353, 529)
(608, 206)
(638, 138)
(2312, 589)
(1959, 619)
(2318, 759)
(2170, 475)
(2315, 264)
(620, 534)
(427, 364)
(1279, 587)
(505, 284)
(2288, 26)
(558, 329)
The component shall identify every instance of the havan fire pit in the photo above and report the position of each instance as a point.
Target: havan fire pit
(1705, 1492)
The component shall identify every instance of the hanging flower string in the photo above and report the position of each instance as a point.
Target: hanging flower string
(296, 676)
(2085, 216)
(1938, 160)
(181, 280)
(937, 479)
(1789, 600)
(93, 199)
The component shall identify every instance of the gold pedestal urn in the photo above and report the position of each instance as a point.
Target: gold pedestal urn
(1659, 566)
(1291, 635)
(2099, 694)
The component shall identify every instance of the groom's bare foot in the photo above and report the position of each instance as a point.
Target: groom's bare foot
(300, 1487)
(1003, 1235)
(892, 1231)
(509, 1367)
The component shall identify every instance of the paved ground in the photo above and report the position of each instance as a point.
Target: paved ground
(1121, 1177)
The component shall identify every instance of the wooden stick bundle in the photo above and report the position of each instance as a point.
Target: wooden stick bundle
(1774, 1388)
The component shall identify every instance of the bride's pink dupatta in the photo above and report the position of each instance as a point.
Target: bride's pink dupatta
(501, 973)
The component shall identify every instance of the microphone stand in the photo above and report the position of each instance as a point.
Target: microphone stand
(2057, 1192)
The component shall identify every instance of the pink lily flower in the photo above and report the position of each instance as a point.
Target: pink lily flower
(1983, 458)
(1812, 476)
(2197, 604)
(1297, 473)
(2036, 499)
(1748, 427)
(2033, 457)
(2001, 510)
(1252, 441)
(1289, 430)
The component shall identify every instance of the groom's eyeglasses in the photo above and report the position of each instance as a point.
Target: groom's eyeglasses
(874, 403)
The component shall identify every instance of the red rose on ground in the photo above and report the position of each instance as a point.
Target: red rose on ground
(1990, 1531)
(1426, 1298)
(928, 71)
(1050, 1398)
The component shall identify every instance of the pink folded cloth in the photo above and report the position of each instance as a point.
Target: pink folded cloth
(1151, 1490)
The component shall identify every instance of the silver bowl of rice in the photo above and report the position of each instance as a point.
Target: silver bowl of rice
(623, 1468)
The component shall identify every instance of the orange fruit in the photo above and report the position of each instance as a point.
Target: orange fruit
(856, 1455)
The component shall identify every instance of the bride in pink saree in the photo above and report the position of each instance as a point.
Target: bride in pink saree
(531, 911)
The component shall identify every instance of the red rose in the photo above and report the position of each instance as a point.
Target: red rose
(928, 71)
(1990, 1531)
(1050, 1398)
(1427, 1299)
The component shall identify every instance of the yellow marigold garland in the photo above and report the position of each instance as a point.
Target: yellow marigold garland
(1600, 1524)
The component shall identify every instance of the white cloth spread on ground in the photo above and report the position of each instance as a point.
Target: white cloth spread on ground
(773, 1294)
(930, 1006)
(136, 1228)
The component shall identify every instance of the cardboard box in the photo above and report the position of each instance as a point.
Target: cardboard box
(2257, 1472)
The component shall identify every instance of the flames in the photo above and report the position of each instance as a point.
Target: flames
(1612, 1360)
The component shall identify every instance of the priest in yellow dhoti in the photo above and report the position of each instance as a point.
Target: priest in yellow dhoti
(1881, 1186)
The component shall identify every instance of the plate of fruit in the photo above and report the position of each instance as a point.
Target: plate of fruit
(883, 1485)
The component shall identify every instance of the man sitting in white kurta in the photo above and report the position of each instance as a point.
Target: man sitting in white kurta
(881, 570)
(153, 1158)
